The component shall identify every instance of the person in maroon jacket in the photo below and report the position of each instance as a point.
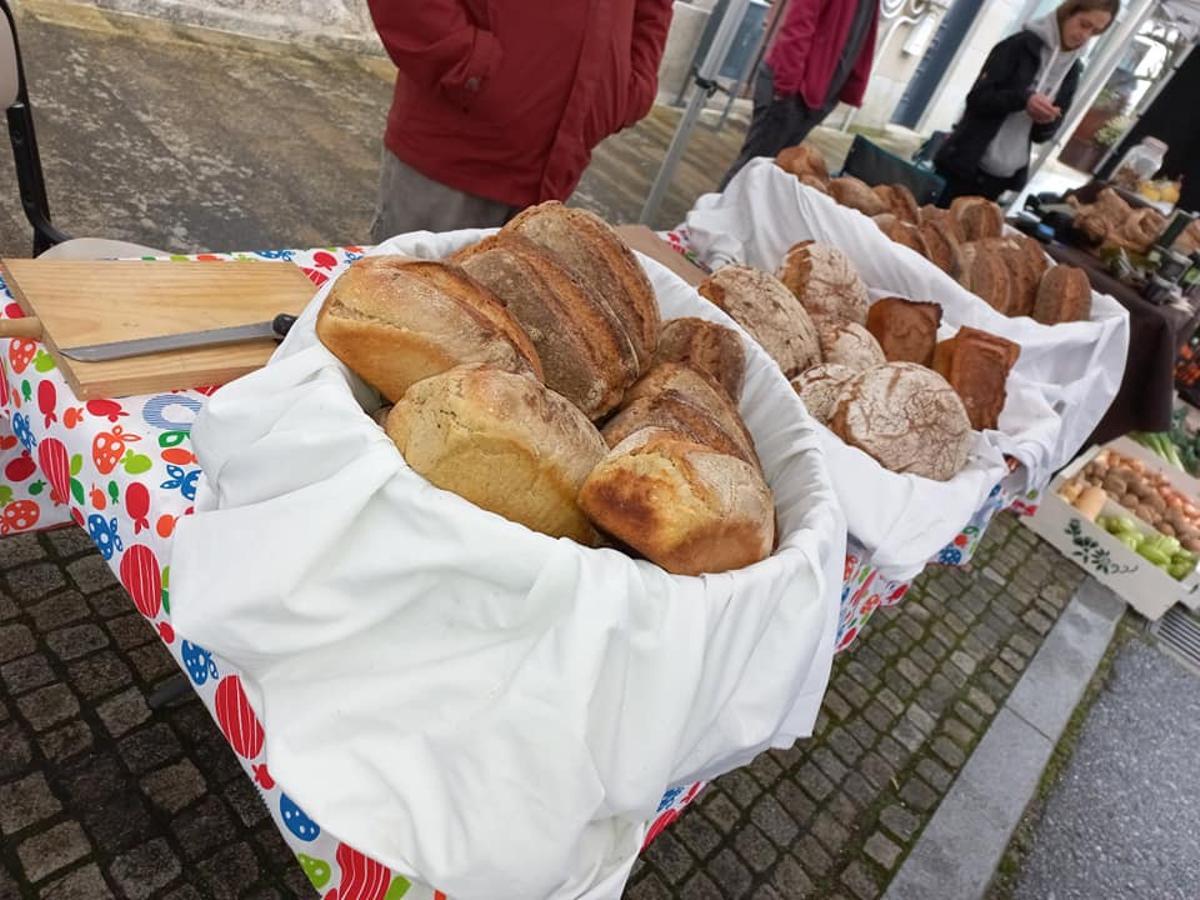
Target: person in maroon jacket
(822, 54)
(498, 103)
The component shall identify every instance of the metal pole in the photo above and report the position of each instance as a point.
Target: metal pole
(705, 76)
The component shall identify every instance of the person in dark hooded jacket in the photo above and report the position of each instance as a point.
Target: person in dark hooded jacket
(1025, 88)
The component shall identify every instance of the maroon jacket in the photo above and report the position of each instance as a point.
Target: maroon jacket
(505, 99)
(806, 50)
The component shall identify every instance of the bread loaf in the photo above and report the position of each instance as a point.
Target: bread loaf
(502, 441)
(684, 506)
(825, 282)
(395, 321)
(848, 344)
(985, 273)
(769, 311)
(902, 232)
(820, 388)
(1065, 295)
(815, 183)
(675, 412)
(589, 246)
(713, 349)
(850, 191)
(950, 225)
(1024, 270)
(907, 418)
(802, 161)
(699, 390)
(940, 247)
(978, 216)
(585, 351)
(905, 329)
(900, 202)
(976, 364)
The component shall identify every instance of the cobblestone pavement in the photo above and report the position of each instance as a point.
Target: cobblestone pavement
(100, 795)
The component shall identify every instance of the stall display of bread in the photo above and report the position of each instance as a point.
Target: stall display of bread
(856, 194)
(680, 503)
(503, 363)
(1110, 221)
(585, 351)
(902, 232)
(803, 160)
(1065, 295)
(505, 442)
(900, 202)
(907, 418)
(820, 388)
(849, 344)
(976, 364)
(978, 217)
(825, 282)
(905, 329)
(395, 321)
(769, 311)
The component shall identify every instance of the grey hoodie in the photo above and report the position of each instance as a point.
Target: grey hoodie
(1008, 152)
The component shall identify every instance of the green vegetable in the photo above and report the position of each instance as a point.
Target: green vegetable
(1132, 541)
(1180, 570)
(1153, 555)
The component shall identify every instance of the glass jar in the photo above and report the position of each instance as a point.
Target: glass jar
(1140, 163)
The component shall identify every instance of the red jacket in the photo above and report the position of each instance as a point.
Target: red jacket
(806, 50)
(505, 99)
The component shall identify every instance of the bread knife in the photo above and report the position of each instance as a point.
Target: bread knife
(189, 340)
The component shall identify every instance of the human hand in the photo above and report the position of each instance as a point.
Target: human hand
(1042, 109)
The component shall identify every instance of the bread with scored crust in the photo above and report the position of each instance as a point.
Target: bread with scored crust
(395, 321)
(820, 388)
(825, 281)
(849, 344)
(710, 348)
(681, 504)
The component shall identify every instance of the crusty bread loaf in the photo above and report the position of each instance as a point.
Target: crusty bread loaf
(940, 247)
(848, 344)
(976, 364)
(585, 351)
(502, 441)
(1065, 295)
(907, 418)
(803, 160)
(902, 232)
(769, 311)
(985, 273)
(850, 191)
(590, 247)
(1023, 268)
(905, 329)
(825, 282)
(395, 321)
(978, 216)
(674, 411)
(820, 388)
(713, 349)
(815, 183)
(951, 226)
(702, 391)
(684, 506)
(899, 201)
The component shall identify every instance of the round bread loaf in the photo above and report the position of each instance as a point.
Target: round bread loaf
(850, 191)
(899, 201)
(820, 388)
(682, 505)
(902, 232)
(803, 160)
(1065, 295)
(940, 246)
(769, 311)
(984, 272)
(395, 321)
(710, 348)
(849, 344)
(978, 216)
(815, 183)
(504, 442)
(676, 412)
(590, 247)
(907, 418)
(585, 351)
(702, 391)
(825, 282)
(951, 226)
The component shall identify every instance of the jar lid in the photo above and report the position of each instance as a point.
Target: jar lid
(1155, 144)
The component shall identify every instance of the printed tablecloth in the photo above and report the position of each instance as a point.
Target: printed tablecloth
(123, 470)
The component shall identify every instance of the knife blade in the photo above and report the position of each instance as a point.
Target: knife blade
(189, 340)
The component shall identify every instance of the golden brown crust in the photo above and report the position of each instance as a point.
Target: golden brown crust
(502, 441)
(985, 273)
(825, 282)
(710, 348)
(590, 247)
(850, 191)
(584, 349)
(803, 160)
(976, 364)
(395, 321)
(905, 329)
(1065, 295)
(940, 246)
(979, 217)
(683, 506)
(902, 232)
(675, 412)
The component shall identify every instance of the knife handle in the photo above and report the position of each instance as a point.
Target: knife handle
(282, 324)
(25, 327)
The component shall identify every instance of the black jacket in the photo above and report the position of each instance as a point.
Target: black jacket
(1003, 87)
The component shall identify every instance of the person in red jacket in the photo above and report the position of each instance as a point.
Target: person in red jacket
(822, 54)
(498, 103)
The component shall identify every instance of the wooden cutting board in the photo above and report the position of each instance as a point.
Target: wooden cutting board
(94, 302)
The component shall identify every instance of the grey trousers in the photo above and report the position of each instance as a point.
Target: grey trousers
(775, 123)
(408, 201)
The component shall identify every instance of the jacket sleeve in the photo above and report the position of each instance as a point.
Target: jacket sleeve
(436, 44)
(789, 54)
(1039, 134)
(994, 92)
(651, 20)
(855, 87)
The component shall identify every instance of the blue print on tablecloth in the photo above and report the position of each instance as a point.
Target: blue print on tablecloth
(198, 662)
(103, 533)
(950, 556)
(296, 821)
(669, 798)
(20, 426)
(185, 482)
(155, 412)
(276, 254)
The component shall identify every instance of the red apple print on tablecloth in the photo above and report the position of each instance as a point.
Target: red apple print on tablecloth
(236, 717)
(52, 457)
(263, 776)
(166, 632)
(20, 468)
(21, 354)
(20, 515)
(142, 579)
(13, 311)
(323, 260)
(108, 448)
(3, 385)
(362, 877)
(48, 402)
(137, 505)
(106, 409)
(73, 416)
(165, 526)
(8, 441)
(178, 456)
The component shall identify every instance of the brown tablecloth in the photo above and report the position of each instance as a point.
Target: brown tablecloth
(1147, 394)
